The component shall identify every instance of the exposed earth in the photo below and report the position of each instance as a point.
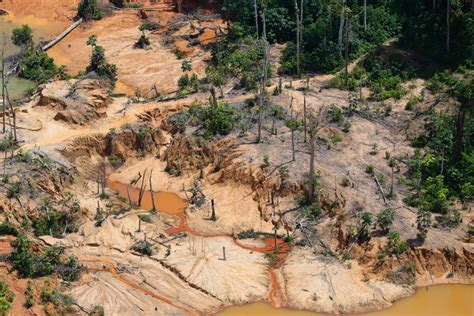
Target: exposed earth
(207, 192)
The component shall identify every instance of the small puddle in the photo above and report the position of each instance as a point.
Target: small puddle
(166, 202)
(437, 300)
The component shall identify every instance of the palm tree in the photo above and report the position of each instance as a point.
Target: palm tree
(186, 66)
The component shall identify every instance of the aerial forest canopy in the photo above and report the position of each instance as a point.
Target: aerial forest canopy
(393, 42)
(441, 29)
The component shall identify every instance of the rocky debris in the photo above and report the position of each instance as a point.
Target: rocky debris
(77, 101)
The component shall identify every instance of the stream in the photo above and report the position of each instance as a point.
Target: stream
(438, 300)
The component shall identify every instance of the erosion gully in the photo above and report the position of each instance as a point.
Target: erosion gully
(172, 204)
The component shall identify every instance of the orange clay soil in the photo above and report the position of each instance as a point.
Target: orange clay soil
(108, 266)
(171, 204)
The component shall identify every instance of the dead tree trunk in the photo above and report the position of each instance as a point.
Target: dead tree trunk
(129, 198)
(448, 26)
(305, 124)
(341, 27)
(293, 144)
(213, 211)
(263, 82)
(142, 189)
(311, 161)
(15, 139)
(297, 12)
(3, 82)
(459, 133)
(346, 49)
(256, 15)
(365, 15)
(152, 194)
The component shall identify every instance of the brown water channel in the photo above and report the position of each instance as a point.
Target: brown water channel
(439, 300)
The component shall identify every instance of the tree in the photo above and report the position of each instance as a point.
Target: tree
(463, 91)
(293, 125)
(396, 245)
(364, 224)
(186, 66)
(143, 41)
(298, 38)
(4, 47)
(365, 15)
(89, 10)
(448, 24)
(255, 7)
(98, 62)
(22, 36)
(264, 78)
(341, 26)
(423, 222)
(385, 219)
(315, 125)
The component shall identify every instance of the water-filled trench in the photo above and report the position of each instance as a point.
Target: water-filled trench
(439, 300)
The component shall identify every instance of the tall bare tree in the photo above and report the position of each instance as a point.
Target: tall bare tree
(298, 38)
(3, 81)
(316, 123)
(448, 26)
(346, 49)
(365, 15)
(301, 24)
(255, 7)
(464, 93)
(341, 26)
(264, 78)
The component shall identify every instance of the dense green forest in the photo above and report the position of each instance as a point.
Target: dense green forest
(441, 29)
(397, 41)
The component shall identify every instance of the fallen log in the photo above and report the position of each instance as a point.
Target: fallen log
(380, 189)
(61, 36)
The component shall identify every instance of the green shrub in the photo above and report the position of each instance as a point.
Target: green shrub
(39, 67)
(98, 62)
(144, 218)
(89, 10)
(370, 169)
(29, 264)
(385, 219)
(6, 298)
(15, 190)
(470, 229)
(6, 143)
(395, 244)
(57, 299)
(22, 36)
(143, 247)
(6, 228)
(247, 234)
(335, 114)
(435, 197)
(70, 270)
(217, 119)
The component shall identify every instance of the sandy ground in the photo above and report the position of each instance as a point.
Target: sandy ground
(187, 273)
(326, 285)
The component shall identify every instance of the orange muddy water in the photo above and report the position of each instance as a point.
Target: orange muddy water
(165, 202)
(437, 300)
